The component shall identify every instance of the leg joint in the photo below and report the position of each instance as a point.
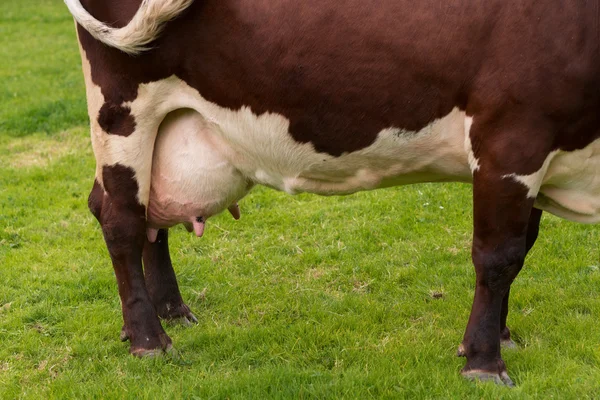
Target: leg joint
(497, 266)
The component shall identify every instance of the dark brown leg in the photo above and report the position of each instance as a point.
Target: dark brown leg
(501, 214)
(161, 281)
(123, 224)
(505, 338)
(510, 147)
(533, 228)
(532, 234)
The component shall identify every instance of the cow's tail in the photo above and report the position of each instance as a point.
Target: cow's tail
(133, 38)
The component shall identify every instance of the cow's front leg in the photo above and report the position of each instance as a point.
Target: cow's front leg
(506, 341)
(161, 281)
(123, 222)
(508, 169)
(501, 214)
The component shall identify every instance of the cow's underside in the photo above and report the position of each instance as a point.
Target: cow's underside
(566, 185)
(201, 167)
(333, 97)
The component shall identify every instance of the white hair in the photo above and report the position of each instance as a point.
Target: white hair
(133, 38)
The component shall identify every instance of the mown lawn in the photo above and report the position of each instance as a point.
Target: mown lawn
(364, 296)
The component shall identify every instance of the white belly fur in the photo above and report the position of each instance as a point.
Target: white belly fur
(231, 148)
(571, 186)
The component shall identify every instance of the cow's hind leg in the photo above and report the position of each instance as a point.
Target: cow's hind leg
(124, 227)
(125, 117)
(123, 151)
(161, 281)
(505, 184)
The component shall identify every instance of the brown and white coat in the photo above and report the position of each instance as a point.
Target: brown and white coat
(333, 97)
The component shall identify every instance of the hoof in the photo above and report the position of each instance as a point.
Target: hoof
(164, 346)
(151, 353)
(193, 318)
(188, 319)
(508, 344)
(124, 336)
(501, 378)
(180, 314)
(461, 352)
(184, 320)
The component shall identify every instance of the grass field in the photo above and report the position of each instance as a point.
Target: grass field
(364, 296)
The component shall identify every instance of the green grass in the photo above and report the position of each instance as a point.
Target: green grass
(305, 297)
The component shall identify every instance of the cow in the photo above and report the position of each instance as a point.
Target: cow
(334, 97)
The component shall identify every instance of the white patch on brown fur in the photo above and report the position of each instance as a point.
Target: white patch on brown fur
(473, 161)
